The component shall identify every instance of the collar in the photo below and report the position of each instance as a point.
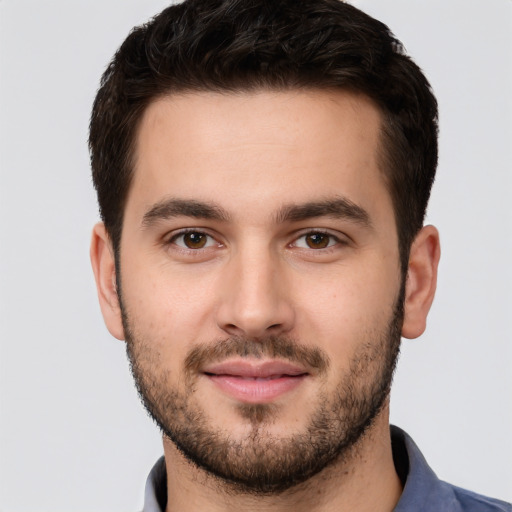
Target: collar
(423, 491)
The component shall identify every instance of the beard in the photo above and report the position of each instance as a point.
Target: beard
(262, 463)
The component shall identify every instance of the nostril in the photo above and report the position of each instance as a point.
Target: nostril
(233, 330)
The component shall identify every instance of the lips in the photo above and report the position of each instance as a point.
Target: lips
(255, 382)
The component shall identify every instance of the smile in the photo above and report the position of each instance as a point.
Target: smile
(255, 382)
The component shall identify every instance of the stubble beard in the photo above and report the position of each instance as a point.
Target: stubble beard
(261, 463)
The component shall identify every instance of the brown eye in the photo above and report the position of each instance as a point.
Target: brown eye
(194, 240)
(189, 243)
(317, 240)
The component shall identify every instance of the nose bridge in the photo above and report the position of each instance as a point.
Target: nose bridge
(254, 298)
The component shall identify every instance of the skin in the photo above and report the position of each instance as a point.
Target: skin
(251, 155)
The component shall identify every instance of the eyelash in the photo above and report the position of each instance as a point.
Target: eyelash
(172, 240)
(332, 242)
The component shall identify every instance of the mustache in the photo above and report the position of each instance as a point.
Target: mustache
(273, 347)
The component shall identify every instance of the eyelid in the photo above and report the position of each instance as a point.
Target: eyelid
(340, 238)
(170, 238)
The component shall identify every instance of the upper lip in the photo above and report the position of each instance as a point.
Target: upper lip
(254, 369)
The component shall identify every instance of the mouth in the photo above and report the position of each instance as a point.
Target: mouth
(255, 382)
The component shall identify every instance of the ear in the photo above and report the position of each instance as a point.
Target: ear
(104, 268)
(421, 281)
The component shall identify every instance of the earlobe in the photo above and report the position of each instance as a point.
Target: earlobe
(421, 281)
(103, 265)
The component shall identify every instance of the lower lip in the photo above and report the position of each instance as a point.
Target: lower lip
(256, 390)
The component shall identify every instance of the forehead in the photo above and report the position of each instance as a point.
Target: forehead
(241, 148)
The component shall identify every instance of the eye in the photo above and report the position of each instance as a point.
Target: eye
(316, 240)
(192, 240)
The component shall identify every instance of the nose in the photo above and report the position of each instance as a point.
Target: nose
(254, 298)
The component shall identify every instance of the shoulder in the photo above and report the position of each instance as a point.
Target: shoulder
(424, 491)
(472, 502)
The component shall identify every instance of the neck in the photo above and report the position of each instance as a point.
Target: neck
(364, 480)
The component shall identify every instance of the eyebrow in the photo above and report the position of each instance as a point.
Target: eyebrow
(338, 208)
(169, 208)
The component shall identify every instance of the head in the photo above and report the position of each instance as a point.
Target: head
(263, 170)
(230, 46)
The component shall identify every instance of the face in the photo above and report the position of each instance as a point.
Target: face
(259, 279)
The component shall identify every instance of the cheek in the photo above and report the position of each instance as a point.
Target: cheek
(347, 309)
(170, 310)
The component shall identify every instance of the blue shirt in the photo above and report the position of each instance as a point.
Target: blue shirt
(423, 491)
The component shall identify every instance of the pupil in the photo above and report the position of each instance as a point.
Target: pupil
(195, 240)
(317, 241)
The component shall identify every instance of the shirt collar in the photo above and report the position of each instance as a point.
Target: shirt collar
(155, 494)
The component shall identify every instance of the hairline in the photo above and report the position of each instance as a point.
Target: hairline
(383, 156)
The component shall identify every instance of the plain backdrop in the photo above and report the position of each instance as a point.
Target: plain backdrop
(73, 436)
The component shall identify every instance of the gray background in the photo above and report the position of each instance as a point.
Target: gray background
(73, 436)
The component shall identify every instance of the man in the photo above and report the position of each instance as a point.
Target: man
(263, 171)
